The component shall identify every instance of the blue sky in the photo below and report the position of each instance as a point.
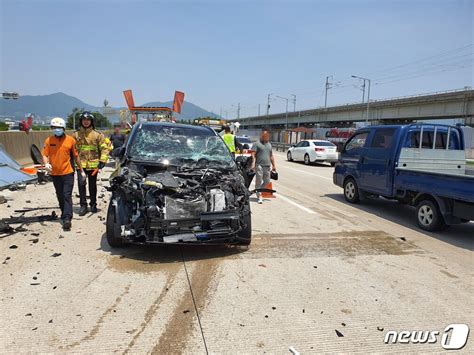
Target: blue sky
(224, 52)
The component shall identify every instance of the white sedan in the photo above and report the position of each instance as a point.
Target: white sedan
(311, 151)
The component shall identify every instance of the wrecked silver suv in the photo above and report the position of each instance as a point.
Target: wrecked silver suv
(178, 184)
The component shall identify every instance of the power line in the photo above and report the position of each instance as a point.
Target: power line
(430, 67)
(420, 75)
(440, 54)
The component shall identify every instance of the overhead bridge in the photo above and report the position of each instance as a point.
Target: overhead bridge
(443, 105)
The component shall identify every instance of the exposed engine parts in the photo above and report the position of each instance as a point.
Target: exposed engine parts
(154, 204)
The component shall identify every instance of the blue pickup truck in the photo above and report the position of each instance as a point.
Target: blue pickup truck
(422, 165)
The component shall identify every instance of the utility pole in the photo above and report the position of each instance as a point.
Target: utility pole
(268, 104)
(294, 102)
(238, 111)
(363, 92)
(259, 109)
(368, 97)
(328, 86)
(368, 102)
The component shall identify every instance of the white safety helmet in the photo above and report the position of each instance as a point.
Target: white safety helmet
(58, 122)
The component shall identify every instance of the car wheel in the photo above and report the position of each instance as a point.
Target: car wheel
(288, 156)
(307, 161)
(244, 237)
(429, 216)
(112, 229)
(333, 163)
(351, 191)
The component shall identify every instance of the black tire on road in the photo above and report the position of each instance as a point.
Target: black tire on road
(245, 235)
(112, 229)
(351, 191)
(429, 217)
(288, 156)
(307, 160)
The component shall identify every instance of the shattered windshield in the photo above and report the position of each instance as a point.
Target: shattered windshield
(178, 145)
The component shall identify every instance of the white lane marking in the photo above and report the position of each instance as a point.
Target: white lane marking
(319, 202)
(295, 204)
(306, 172)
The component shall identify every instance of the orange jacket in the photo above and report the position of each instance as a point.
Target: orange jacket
(60, 151)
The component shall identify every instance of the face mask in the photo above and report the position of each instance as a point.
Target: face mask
(58, 132)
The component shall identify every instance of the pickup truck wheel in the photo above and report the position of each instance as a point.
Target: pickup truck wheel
(307, 161)
(112, 229)
(351, 191)
(288, 156)
(429, 217)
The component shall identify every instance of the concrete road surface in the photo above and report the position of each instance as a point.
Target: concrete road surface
(320, 276)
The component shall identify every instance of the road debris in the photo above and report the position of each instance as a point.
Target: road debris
(33, 219)
(34, 240)
(13, 246)
(380, 329)
(339, 334)
(55, 255)
(293, 351)
(34, 209)
(6, 229)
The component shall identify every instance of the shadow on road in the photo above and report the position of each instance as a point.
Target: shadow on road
(461, 235)
(171, 253)
(322, 165)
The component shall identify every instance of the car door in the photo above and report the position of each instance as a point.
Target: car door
(377, 163)
(351, 154)
(304, 150)
(297, 151)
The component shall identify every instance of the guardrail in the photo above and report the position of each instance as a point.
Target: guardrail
(280, 146)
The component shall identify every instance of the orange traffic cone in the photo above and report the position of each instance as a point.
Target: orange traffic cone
(268, 194)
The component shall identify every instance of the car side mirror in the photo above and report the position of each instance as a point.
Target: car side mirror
(292, 146)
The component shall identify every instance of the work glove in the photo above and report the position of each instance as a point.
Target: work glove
(48, 167)
(101, 165)
(83, 178)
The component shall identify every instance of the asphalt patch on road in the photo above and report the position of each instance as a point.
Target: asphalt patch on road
(349, 243)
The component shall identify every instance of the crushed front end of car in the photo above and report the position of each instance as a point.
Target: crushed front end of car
(178, 197)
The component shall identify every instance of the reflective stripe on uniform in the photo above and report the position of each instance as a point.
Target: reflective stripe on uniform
(90, 164)
(91, 148)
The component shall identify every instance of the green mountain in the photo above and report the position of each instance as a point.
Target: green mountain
(57, 104)
(60, 104)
